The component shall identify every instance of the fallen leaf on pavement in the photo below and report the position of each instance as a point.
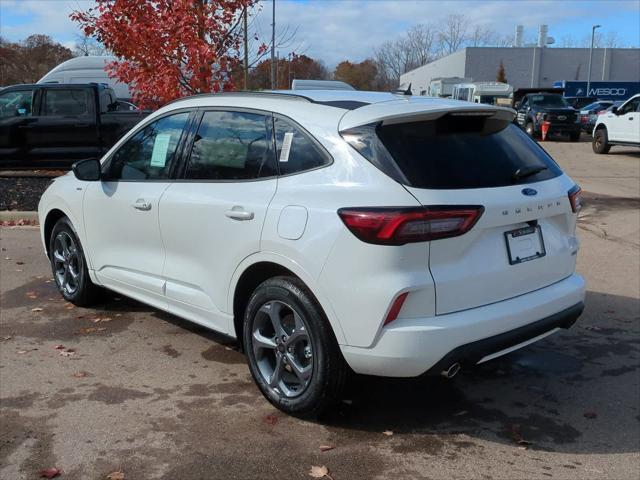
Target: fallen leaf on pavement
(20, 352)
(19, 263)
(59, 347)
(388, 433)
(70, 307)
(117, 475)
(68, 352)
(590, 415)
(103, 319)
(37, 309)
(52, 472)
(86, 330)
(517, 437)
(81, 374)
(319, 472)
(326, 448)
(7, 338)
(271, 419)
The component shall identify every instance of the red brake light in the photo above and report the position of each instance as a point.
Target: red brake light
(398, 226)
(575, 198)
(395, 308)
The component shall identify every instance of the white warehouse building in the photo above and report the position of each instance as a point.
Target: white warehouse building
(528, 66)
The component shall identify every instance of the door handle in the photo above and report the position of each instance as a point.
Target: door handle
(237, 213)
(142, 205)
(630, 118)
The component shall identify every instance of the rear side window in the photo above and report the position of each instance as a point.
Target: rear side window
(150, 153)
(71, 102)
(232, 146)
(295, 150)
(454, 152)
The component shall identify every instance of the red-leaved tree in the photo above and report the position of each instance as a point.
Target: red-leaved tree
(168, 48)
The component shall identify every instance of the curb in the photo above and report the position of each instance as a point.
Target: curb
(17, 217)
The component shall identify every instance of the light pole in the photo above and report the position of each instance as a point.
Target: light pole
(273, 47)
(593, 32)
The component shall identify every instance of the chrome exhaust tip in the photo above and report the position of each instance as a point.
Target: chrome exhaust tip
(452, 371)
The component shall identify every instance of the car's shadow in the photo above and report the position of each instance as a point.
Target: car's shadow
(575, 391)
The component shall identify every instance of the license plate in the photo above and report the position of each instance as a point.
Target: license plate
(524, 244)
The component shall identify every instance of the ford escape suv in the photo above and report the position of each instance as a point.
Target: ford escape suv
(327, 231)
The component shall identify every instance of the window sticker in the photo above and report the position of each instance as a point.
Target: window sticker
(286, 147)
(160, 149)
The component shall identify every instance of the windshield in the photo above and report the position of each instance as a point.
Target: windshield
(548, 101)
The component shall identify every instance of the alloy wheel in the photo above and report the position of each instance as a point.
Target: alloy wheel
(66, 263)
(282, 348)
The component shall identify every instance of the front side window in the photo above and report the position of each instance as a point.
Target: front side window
(549, 101)
(295, 150)
(16, 103)
(232, 146)
(68, 102)
(630, 106)
(150, 153)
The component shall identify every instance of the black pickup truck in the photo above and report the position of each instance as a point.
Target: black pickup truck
(54, 125)
(535, 108)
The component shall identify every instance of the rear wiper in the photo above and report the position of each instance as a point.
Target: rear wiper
(527, 172)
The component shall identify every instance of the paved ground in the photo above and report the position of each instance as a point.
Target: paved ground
(158, 398)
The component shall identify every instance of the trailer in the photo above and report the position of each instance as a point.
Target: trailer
(492, 93)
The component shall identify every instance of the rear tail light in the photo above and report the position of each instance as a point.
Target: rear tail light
(575, 198)
(396, 306)
(398, 226)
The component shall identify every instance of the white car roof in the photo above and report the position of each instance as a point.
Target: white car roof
(349, 108)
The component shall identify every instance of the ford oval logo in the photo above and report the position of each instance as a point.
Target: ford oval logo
(529, 192)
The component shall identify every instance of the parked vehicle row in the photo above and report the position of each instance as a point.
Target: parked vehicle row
(53, 125)
(589, 113)
(328, 231)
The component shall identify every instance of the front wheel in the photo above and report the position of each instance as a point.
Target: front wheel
(292, 352)
(69, 265)
(600, 143)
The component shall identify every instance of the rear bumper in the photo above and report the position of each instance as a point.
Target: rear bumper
(412, 347)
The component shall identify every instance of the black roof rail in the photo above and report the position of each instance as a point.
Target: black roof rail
(246, 93)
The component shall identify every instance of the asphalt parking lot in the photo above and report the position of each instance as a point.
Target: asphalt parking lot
(124, 387)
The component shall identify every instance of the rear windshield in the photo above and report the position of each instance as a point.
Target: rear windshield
(454, 152)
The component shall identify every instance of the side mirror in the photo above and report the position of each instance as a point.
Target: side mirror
(614, 110)
(87, 170)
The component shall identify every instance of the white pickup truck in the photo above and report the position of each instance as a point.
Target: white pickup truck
(618, 126)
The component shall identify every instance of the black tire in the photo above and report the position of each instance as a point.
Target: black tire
(328, 370)
(65, 262)
(600, 143)
(530, 130)
(574, 137)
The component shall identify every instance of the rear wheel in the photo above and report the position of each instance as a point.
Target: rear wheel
(292, 353)
(600, 143)
(69, 265)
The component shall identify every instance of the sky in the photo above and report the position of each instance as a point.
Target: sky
(335, 30)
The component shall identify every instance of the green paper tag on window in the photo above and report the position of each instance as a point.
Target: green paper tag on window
(160, 149)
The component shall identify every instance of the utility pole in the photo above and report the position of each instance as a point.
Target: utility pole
(246, 51)
(593, 32)
(273, 47)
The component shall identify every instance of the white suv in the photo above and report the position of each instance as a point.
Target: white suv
(618, 126)
(328, 231)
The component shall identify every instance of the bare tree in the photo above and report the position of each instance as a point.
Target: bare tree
(611, 40)
(454, 34)
(414, 49)
(86, 46)
(567, 41)
(482, 37)
(422, 41)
